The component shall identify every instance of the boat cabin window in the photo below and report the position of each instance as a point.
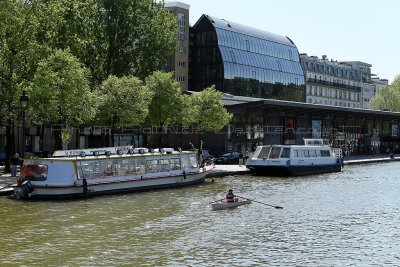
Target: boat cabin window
(299, 153)
(152, 166)
(193, 162)
(164, 165)
(276, 150)
(34, 172)
(285, 152)
(175, 164)
(136, 166)
(264, 152)
(185, 162)
(313, 153)
(325, 153)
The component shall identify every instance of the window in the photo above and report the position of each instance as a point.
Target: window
(276, 150)
(34, 172)
(232, 56)
(285, 151)
(175, 164)
(193, 162)
(181, 78)
(181, 64)
(264, 152)
(182, 49)
(182, 26)
(151, 166)
(164, 165)
(247, 45)
(279, 65)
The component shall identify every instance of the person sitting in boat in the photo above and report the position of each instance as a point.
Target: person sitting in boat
(230, 197)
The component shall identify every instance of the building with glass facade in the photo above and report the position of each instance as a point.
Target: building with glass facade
(244, 61)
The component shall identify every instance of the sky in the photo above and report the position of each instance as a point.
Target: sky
(344, 30)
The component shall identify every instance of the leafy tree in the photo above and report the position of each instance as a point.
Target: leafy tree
(165, 107)
(60, 92)
(388, 97)
(207, 111)
(18, 60)
(124, 102)
(132, 38)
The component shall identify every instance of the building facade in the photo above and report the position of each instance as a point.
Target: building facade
(179, 62)
(244, 61)
(331, 83)
(343, 84)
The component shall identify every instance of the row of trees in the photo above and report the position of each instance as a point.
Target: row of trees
(388, 97)
(95, 61)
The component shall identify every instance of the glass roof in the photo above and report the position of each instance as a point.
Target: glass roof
(236, 27)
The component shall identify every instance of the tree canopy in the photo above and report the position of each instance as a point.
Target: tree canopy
(60, 91)
(124, 102)
(207, 110)
(388, 97)
(166, 103)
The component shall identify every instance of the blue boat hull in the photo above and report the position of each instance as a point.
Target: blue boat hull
(284, 171)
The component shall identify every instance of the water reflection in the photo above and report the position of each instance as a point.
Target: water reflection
(347, 218)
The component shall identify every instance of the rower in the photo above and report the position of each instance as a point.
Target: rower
(230, 196)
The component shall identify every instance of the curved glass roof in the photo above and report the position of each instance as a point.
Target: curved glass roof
(245, 61)
(242, 29)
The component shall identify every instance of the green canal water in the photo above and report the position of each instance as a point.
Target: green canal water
(342, 219)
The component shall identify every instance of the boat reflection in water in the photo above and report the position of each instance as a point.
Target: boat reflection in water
(89, 172)
(314, 157)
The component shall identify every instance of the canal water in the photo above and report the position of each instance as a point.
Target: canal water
(350, 218)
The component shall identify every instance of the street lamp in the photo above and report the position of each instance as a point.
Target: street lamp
(23, 101)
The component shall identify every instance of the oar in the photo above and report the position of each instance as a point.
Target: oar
(276, 207)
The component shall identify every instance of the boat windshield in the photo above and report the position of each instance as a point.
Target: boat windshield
(276, 150)
(34, 172)
(263, 153)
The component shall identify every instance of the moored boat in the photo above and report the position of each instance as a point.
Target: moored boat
(223, 204)
(313, 157)
(90, 172)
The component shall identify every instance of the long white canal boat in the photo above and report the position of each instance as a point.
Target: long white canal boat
(314, 157)
(90, 172)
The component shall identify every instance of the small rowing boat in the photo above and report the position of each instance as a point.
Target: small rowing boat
(222, 204)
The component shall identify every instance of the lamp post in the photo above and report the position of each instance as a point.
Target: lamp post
(23, 101)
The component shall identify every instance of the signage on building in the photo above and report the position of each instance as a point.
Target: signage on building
(316, 128)
(395, 128)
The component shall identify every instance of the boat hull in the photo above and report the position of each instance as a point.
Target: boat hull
(284, 171)
(96, 188)
(221, 205)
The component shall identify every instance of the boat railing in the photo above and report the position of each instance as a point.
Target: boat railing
(337, 152)
(120, 150)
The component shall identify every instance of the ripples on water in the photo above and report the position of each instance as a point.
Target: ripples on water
(341, 219)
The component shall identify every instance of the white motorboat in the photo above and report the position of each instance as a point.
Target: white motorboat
(90, 172)
(314, 157)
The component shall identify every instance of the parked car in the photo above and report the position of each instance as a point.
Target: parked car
(228, 158)
(206, 154)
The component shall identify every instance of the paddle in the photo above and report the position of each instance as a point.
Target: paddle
(276, 207)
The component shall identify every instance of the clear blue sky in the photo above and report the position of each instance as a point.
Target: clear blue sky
(344, 30)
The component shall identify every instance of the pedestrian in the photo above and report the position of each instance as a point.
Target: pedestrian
(14, 160)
